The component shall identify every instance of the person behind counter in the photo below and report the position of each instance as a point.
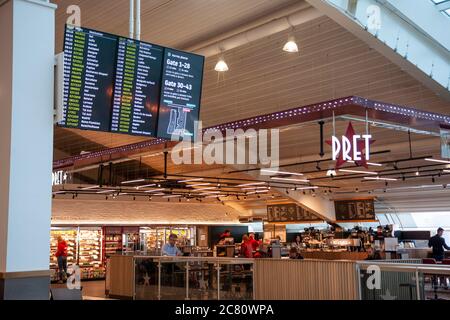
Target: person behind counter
(246, 247)
(373, 254)
(437, 242)
(253, 241)
(294, 254)
(224, 236)
(170, 248)
(297, 242)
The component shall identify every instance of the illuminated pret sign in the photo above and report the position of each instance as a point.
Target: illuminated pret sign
(351, 147)
(59, 177)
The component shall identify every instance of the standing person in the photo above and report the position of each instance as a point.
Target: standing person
(297, 243)
(246, 247)
(253, 241)
(224, 235)
(438, 244)
(61, 256)
(170, 248)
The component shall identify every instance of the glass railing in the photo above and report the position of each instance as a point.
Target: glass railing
(193, 278)
(402, 280)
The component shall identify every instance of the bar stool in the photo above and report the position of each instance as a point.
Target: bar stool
(434, 279)
(446, 262)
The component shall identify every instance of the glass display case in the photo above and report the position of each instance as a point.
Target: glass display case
(90, 253)
(153, 238)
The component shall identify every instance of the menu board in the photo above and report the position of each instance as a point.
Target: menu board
(137, 87)
(89, 59)
(181, 86)
(289, 212)
(351, 210)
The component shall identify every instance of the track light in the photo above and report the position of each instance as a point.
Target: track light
(318, 166)
(134, 198)
(417, 172)
(221, 65)
(331, 173)
(433, 179)
(149, 198)
(395, 166)
(287, 191)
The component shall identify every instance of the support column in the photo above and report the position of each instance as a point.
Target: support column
(27, 31)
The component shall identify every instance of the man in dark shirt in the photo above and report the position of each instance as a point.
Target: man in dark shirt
(438, 244)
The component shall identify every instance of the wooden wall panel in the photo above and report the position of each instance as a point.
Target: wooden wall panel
(276, 279)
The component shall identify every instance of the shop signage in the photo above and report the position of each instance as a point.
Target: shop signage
(445, 143)
(289, 212)
(351, 147)
(354, 210)
(59, 178)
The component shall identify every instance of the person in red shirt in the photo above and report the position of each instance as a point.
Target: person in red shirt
(253, 241)
(246, 247)
(61, 255)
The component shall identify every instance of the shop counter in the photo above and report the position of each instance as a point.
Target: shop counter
(334, 255)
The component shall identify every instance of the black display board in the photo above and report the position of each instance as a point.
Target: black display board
(89, 63)
(355, 210)
(121, 85)
(137, 87)
(289, 212)
(181, 88)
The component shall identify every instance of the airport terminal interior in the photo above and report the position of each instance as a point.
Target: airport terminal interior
(225, 150)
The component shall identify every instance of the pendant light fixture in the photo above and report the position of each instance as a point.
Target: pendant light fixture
(291, 45)
(221, 65)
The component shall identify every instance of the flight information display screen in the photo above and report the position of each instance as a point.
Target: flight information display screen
(181, 88)
(137, 87)
(89, 63)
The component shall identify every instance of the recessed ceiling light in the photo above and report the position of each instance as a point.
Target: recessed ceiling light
(380, 178)
(281, 172)
(132, 181)
(91, 187)
(105, 191)
(289, 179)
(198, 185)
(307, 188)
(154, 190)
(251, 184)
(201, 189)
(189, 180)
(357, 171)
(437, 160)
(145, 186)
